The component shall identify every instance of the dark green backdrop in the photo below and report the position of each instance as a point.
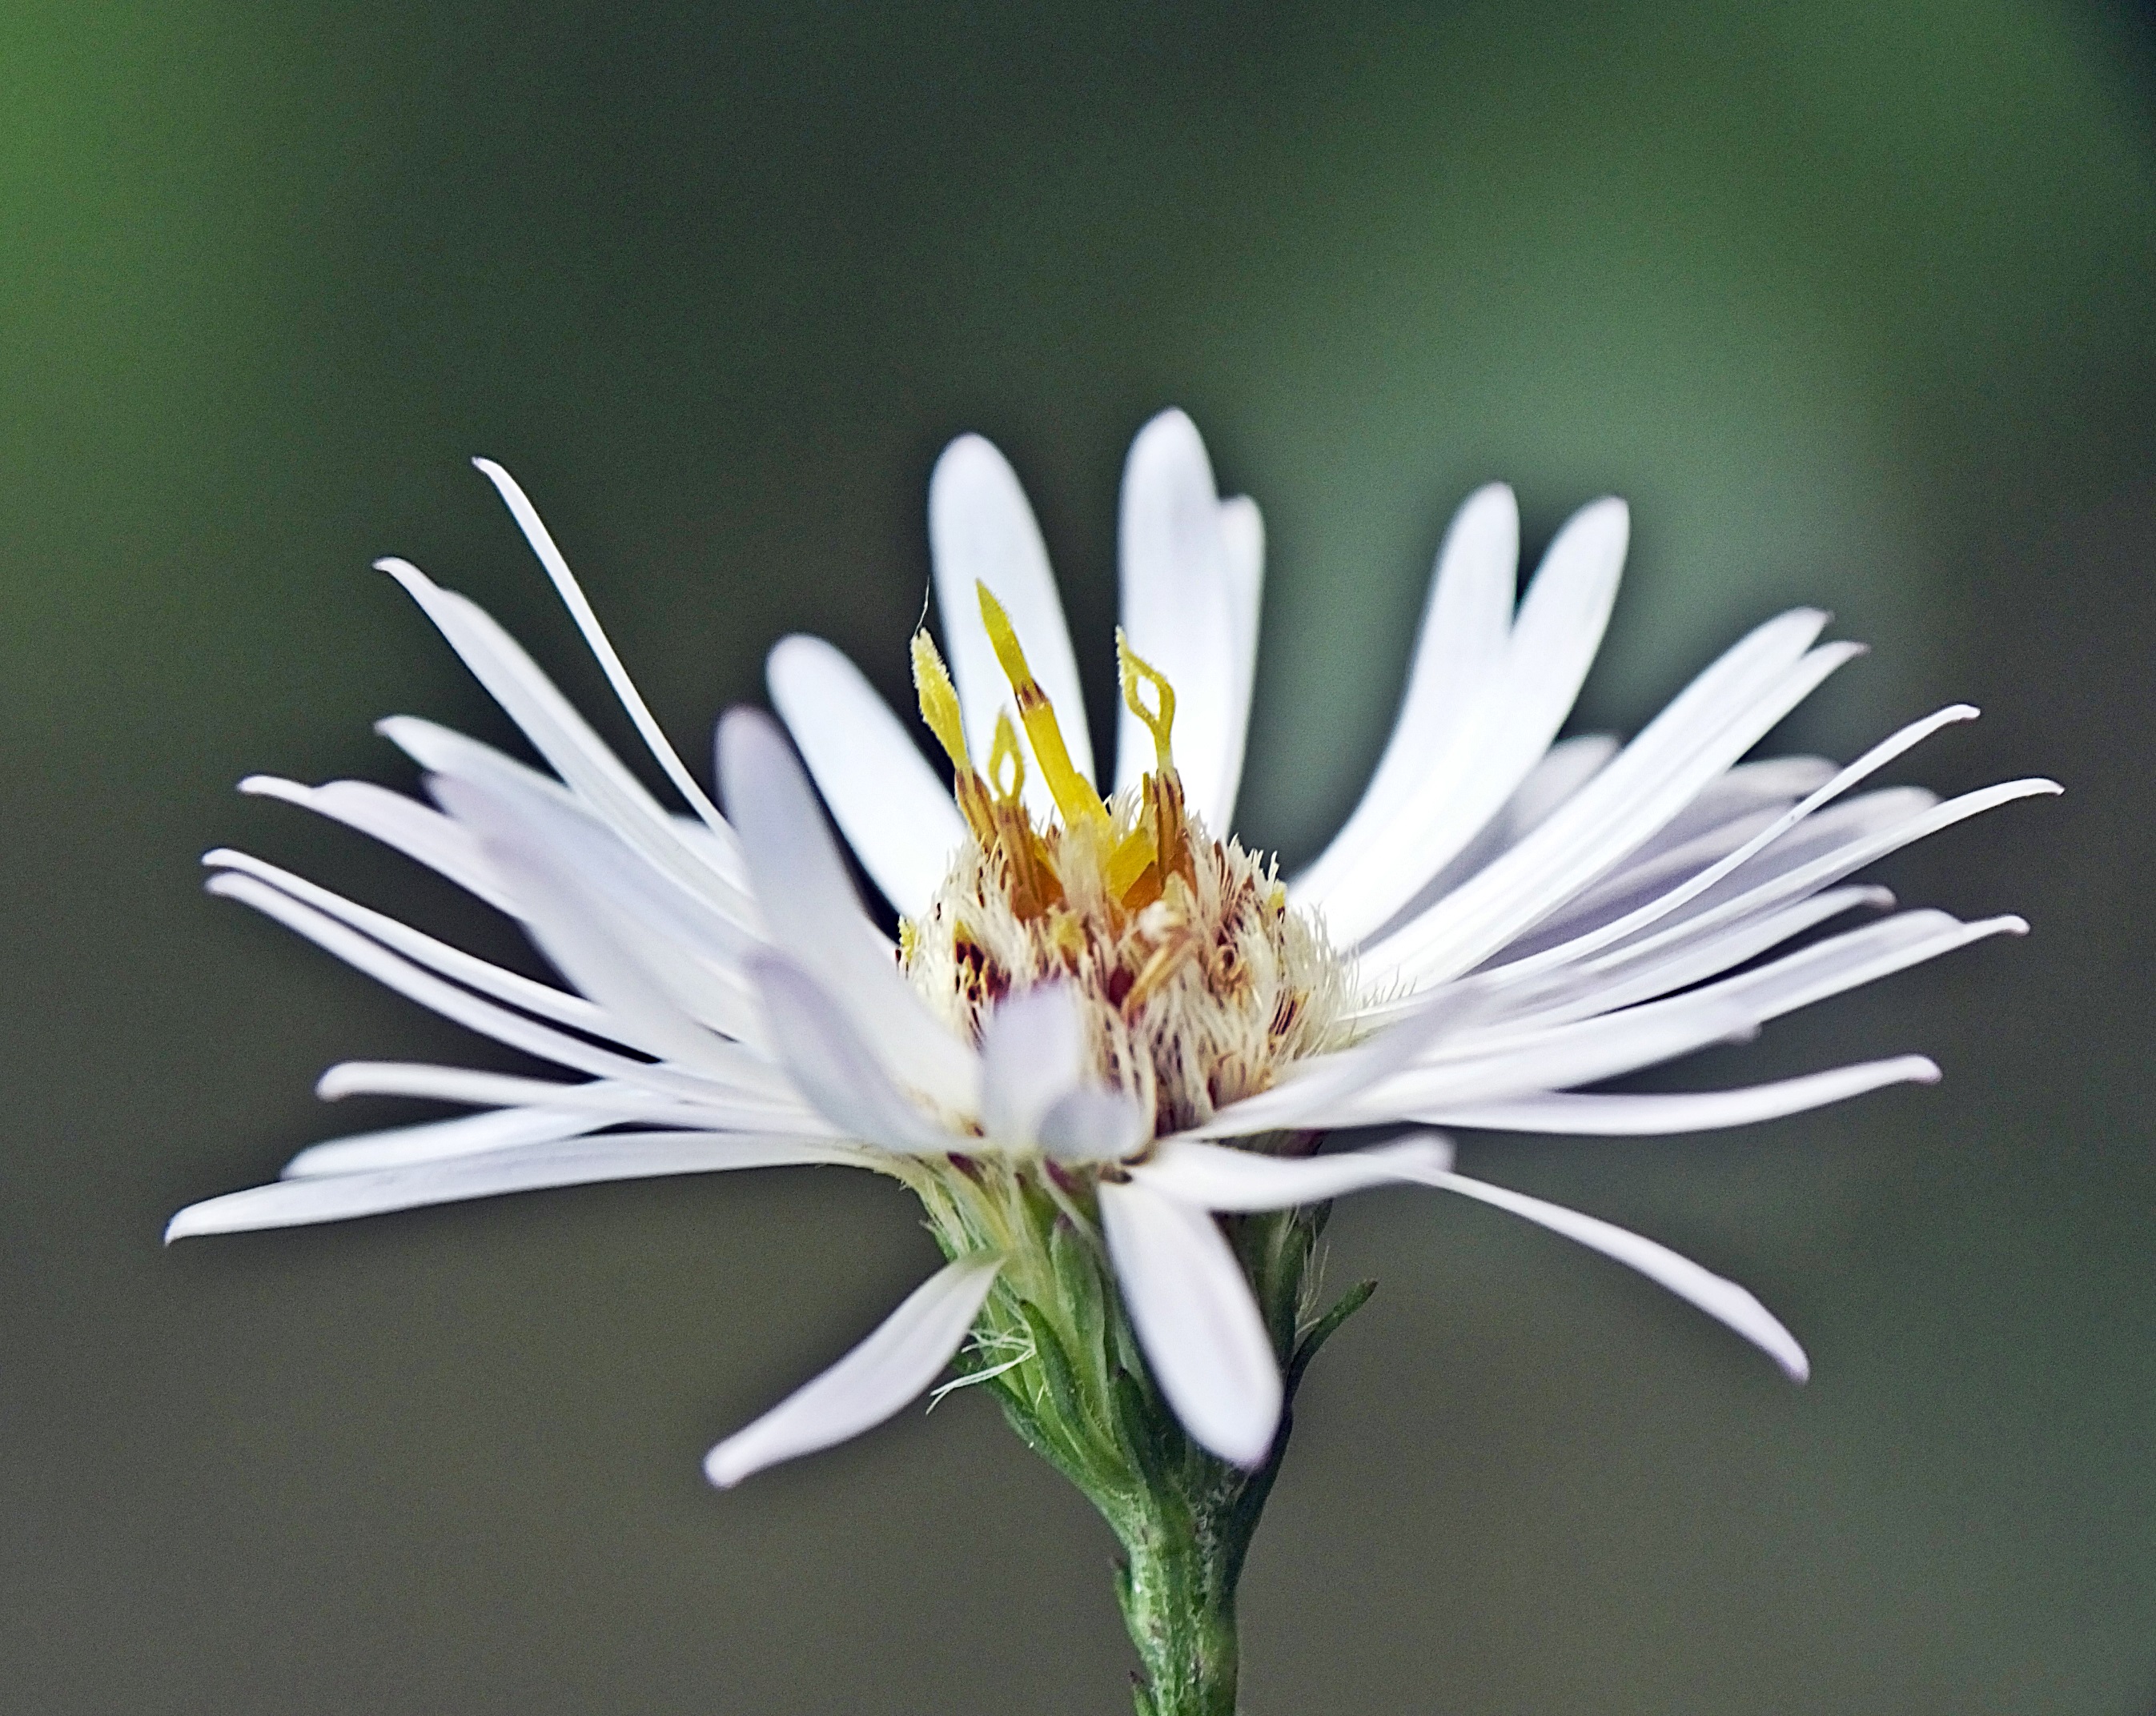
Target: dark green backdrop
(1856, 302)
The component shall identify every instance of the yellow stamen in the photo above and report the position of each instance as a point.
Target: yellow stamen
(939, 700)
(939, 708)
(1160, 721)
(1006, 759)
(1073, 794)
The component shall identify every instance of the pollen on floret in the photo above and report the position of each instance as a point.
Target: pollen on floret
(1199, 983)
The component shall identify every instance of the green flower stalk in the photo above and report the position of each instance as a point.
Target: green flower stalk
(1108, 1033)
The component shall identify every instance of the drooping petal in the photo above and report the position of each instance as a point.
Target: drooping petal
(1034, 1053)
(1092, 1124)
(893, 1366)
(1569, 1113)
(1722, 1299)
(1195, 1319)
(980, 531)
(628, 1155)
(816, 918)
(885, 799)
(1178, 611)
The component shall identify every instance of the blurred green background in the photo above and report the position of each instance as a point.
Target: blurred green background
(1856, 303)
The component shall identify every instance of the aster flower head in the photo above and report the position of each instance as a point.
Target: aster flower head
(1109, 1036)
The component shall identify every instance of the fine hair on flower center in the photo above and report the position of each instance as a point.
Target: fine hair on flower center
(1197, 981)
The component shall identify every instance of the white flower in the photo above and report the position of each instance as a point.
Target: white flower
(1095, 1000)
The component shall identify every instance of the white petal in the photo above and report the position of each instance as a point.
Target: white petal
(1689, 1111)
(670, 980)
(519, 990)
(1648, 784)
(298, 1203)
(885, 799)
(835, 1068)
(980, 531)
(1723, 1300)
(416, 830)
(1616, 926)
(1625, 978)
(451, 1003)
(1034, 1053)
(1243, 557)
(1547, 656)
(893, 1366)
(1179, 613)
(1585, 1053)
(437, 1140)
(1459, 654)
(816, 918)
(739, 1108)
(558, 733)
(1213, 1176)
(588, 623)
(1196, 1320)
(1092, 1124)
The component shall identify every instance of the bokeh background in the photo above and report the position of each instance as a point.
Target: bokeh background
(1856, 302)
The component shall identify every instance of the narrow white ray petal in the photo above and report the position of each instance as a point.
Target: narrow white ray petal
(1624, 979)
(835, 1069)
(580, 887)
(557, 732)
(589, 1161)
(1243, 558)
(588, 623)
(816, 918)
(1741, 675)
(457, 1005)
(1607, 819)
(1663, 903)
(1764, 881)
(1196, 1320)
(1179, 613)
(891, 1368)
(1583, 1053)
(1551, 646)
(1774, 783)
(895, 813)
(519, 990)
(741, 1108)
(1314, 1088)
(1034, 1053)
(437, 1141)
(1568, 766)
(1722, 1299)
(1213, 1177)
(1570, 1114)
(980, 531)
(1459, 652)
(1093, 1124)
(416, 830)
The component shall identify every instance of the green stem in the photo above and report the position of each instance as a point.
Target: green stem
(1081, 1397)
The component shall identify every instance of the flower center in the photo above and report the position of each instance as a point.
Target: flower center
(1197, 980)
